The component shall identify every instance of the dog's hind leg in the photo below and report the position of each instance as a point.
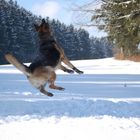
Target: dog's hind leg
(42, 90)
(52, 80)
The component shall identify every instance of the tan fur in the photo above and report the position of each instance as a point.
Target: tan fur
(11, 59)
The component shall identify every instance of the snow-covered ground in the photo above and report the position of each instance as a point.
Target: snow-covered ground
(103, 103)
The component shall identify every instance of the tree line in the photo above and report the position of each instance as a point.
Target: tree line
(121, 20)
(18, 36)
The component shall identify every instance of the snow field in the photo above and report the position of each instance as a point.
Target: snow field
(104, 103)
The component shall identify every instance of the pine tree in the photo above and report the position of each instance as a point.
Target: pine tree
(120, 18)
(101, 48)
(84, 44)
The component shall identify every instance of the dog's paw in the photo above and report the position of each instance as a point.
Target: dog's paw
(49, 94)
(70, 71)
(61, 88)
(80, 72)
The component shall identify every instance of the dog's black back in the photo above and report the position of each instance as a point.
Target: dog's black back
(48, 54)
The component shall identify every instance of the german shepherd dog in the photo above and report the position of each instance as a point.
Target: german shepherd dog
(42, 71)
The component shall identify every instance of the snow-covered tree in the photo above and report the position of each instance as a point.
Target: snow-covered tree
(18, 35)
(101, 47)
(121, 19)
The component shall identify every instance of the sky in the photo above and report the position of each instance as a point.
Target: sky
(61, 10)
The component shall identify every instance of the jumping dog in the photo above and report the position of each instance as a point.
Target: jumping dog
(42, 71)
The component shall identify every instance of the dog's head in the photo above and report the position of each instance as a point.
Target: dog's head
(43, 28)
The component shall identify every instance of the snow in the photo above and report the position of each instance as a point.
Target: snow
(71, 128)
(103, 103)
(97, 66)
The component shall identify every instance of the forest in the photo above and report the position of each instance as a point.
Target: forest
(120, 19)
(18, 36)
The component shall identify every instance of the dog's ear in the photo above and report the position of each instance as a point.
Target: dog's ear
(36, 27)
(43, 21)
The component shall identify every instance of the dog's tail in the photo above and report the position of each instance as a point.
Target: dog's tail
(11, 59)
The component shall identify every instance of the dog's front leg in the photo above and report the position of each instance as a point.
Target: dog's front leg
(66, 70)
(68, 63)
(66, 60)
